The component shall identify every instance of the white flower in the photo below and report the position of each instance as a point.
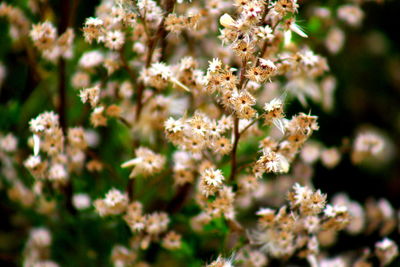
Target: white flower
(8, 143)
(146, 162)
(93, 22)
(274, 104)
(58, 172)
(160, 69)
(332, 211)
(302, 193)
(45, 121)
(213, 177)
(386, 250)
(91, 59)
(91, 95)
(81, 201)
(265, 212)
(32, 162)
(214, 65)
(115, 197)
(211, 181)
(385, 244)
(172, 125)
(309, 58)
(265, 33)
(115, 40)
(268, 65)
(369, 142)
(351, 14)
(40, 237)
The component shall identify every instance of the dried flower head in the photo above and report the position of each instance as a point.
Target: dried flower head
(211, 181)
(146, 163)
(114, 203)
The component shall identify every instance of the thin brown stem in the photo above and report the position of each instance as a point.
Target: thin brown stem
(72, 15)
(37, 72)
(139, 103)
(242, 74)
(151, 46)
(125, 65)
(236, 136)
(180, 198)
(130, 189)
(125, 122)
(62, 95)
(244, 166)
(242, 84)
(249, 125)
(236, 133)
(66, 20)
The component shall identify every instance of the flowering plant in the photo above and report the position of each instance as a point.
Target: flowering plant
(183, 133)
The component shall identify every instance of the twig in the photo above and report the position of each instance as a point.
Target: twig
(249, 125)
(242, 84)
(242, 74)
(72, 15)
(245, 166)
(130, 188)
(180, 198)
(62, 104)
(236, 136)
(67, 20)
(151, 46)
(125, 122)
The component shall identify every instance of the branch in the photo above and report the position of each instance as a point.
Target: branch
(151, 45)
(236, 134)
(179, 199)
(249, 125)
(67, 19)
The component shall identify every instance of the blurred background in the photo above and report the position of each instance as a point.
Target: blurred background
(367, 96)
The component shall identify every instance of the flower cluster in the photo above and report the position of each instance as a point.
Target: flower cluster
(45, 39)
(150, 227)
(114, 203)
(65, 154)
(37, 248)
(208, 123)
(199, 132)
(282, 233)
(146, 163)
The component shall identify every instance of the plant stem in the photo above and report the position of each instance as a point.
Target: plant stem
(151, 46)
(242, 75)
(242, 84)
(236, 136)
(67, 19)
(179, 199)
(125, 64)
(249, 125)
(62, 94)
(130, 188)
